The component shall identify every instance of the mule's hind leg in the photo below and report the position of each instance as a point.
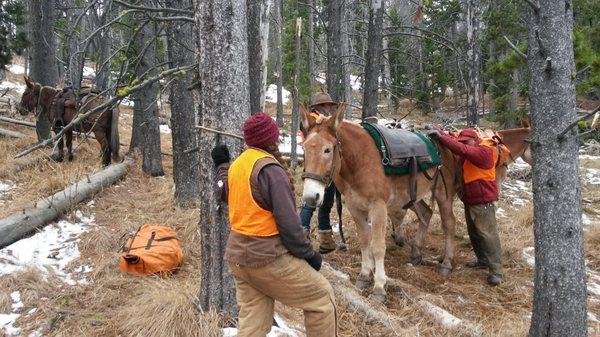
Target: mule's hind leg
(398, 233)
(378, 217)
(448, 225)
(58, 157)
(101, 138)
(364, 238)
(417, 243)
(69, 135)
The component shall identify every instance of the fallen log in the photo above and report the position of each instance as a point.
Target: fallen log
(21, 224)
(19, 165)
(349, 294)
(17, 121)
(11, 134)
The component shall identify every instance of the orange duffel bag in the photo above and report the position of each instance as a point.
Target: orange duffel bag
(152, 249)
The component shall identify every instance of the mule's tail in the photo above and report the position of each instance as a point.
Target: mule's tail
(114, 142)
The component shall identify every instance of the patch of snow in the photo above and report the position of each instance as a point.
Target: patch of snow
(5, 187)
(593, 176)
(32, 311)
(282, 331)
(588, 157)
(271, 94)
(519, 202)
(16, 69)
(165, 129)
(337, 273)
(6, 324)
(50, 250)
(355, 82)
(16, 297)
(585, 219)
(519, 164)
(127, 102)
(91, 203)
(285, 144)
(591, 317)
(89, 72)
(19, 88)
(500, 212)
(528, 255)
(446, 319)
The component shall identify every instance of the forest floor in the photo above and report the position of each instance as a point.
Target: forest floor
(63, 281)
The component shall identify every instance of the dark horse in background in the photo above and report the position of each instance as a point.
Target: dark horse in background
(105, 124)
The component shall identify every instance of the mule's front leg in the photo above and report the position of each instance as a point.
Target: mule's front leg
(69, 136)
(58, 156)
(378, 216)
(364, 238)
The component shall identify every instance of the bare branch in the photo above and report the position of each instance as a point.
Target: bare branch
(153, 9)
(570, 126)
(513, 47)
(535, 5)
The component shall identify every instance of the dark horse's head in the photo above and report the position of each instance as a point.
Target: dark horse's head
(30, 97)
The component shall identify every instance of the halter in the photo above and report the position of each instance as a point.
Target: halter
(328, 179)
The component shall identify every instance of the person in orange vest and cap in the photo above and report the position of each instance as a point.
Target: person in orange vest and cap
(479, 192)
(321, 104)
(267, 252)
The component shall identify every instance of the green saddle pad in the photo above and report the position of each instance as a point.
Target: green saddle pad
(399, 170)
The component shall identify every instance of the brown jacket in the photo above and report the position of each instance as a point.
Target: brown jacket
(271, 190)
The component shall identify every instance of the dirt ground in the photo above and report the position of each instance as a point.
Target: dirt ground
(106, 302)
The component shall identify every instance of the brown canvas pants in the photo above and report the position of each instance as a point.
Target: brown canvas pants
(483, 232)
(290, 281)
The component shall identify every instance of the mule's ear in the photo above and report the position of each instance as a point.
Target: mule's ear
(338, 116)
(525, 121)
(306, 119)
(28, 81)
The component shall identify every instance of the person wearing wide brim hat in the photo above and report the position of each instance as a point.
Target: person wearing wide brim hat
(322, 104)
(267, 252)
(479, 192)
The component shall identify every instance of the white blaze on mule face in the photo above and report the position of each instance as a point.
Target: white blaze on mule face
(313, 192)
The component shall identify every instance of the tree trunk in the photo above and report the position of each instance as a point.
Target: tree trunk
(225, 101)
(296, 96)
(347, 50)
(146, 132)
(559, 300)
(258, 36)
(513, 101)
(373, 66)
(279, 60)
(21, 224)
(43, 45)
(74, 57)
(101, 82)
(310, 44)
(186, 175)
(334, 49)
(473, 60)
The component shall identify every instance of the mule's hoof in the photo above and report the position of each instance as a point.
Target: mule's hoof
(399, 240)
(56, 158)
(362, 283)
(442, 270)
(377, 297)
(416, 261)
(71, 157)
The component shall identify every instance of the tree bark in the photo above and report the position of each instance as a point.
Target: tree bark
(11, 134)
(146, 131)
(258, 36)
(373, 66)
(186, 175)
(43, 45)
(347, 50)
(74, 56)
(559, 300)
(279, 60)
(296, 97)
(473, 60)
(225, 101)
(310, 44)
(334, 49)
(21, 224)
(102, 79)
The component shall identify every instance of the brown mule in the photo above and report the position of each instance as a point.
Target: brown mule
(104, 124)
(343, 152)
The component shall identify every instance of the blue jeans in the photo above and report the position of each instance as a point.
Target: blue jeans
(323, 216)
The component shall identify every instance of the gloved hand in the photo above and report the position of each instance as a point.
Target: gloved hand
(315, 261)
(433, 134)
(220, 154)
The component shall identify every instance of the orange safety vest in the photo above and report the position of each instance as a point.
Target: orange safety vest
(245, 215)
(472, 172)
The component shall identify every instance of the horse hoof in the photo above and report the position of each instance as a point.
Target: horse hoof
(377, 297)
(398, 240)
(416, 261)
(362, 283)
(442, 270)
(71, 157)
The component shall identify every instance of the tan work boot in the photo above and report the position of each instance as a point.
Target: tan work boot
(326, 242)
